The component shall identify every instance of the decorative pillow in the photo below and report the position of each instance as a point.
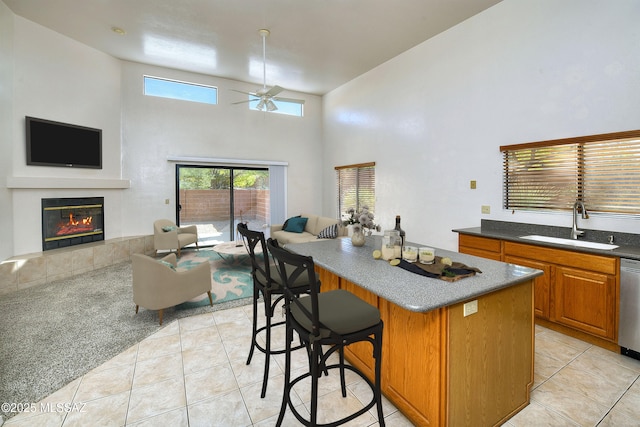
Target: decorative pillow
(296, 224)
(167, 264)
(331, 232)
(284, 226)
(169, 228)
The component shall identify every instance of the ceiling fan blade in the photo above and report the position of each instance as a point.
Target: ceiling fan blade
(274, 91)
(245, 101)
(246, 93)
(265, 96)
(279, 98)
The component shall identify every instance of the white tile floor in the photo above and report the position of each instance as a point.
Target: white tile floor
(193, 373)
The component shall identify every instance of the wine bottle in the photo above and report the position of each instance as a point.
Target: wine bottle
(400, 230)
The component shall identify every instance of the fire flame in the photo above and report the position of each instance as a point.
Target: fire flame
(75, 226)
(83, 221)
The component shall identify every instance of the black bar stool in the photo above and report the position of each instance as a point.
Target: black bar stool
(336, 319)
(269, 287)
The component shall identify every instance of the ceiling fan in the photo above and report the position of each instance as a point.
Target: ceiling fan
(265, 96)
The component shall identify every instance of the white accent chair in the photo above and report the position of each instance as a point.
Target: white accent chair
(175, 237)
(157, 286)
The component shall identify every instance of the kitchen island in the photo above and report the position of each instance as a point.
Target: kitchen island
(439, 366)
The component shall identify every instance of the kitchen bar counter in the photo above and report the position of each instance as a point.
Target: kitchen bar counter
(454, 353)
(409, 290)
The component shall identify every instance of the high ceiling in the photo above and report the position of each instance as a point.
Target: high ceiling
(314, 46)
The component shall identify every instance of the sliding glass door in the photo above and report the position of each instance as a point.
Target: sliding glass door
(216, 199)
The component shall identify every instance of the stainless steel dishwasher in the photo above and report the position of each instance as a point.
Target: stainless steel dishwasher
(629, 327)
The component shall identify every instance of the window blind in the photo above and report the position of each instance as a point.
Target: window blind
(355, 187)
(277, 194)
(603, 171)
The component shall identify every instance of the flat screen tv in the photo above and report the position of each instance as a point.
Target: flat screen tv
(52, 143)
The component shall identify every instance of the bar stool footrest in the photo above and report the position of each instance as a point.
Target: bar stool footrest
(343, 420)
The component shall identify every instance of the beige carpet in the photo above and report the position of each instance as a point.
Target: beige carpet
(54, 333)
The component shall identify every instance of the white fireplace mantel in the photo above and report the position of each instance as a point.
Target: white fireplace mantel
(51, 182)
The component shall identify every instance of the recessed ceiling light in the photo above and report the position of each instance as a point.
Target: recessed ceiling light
(118, 31)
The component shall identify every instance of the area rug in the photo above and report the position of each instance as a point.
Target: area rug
(52, 334)
(230, 276)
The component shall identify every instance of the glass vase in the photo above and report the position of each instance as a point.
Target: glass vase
(357, 239)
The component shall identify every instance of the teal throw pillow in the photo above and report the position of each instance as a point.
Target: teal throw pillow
(296, 224)
(284, 226)
(168, 228)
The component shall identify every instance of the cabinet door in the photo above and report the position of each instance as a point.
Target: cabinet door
(542, 284)
(414, 362)
(585, 300)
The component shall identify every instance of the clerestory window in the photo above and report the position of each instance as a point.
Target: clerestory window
(185, 91)
(603, 171)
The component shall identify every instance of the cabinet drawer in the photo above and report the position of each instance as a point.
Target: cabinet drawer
(483, 243)
(496, 256)
(599, 263)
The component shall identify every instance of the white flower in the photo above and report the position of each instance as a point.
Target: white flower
(362, 219)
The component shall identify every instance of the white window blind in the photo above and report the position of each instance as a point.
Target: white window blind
(278, 193)
(603, 171)
(356, 187)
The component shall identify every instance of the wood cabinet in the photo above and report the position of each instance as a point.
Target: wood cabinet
(480, 246)
(414, 363)
(541, 284)
(488, 365)
(578, 293)
(361, 354)
(585, 300)
(328, 280)
(444, 368)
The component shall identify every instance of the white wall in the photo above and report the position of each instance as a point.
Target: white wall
(434, 117)
(50, 76)
(57, 78)
(6, 135)
(157, 128)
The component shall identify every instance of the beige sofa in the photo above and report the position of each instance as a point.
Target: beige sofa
(315, 224)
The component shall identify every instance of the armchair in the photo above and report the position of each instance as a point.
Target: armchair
(175, 238)
(157, 286)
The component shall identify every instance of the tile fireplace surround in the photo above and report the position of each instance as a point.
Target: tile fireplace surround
(39, 268)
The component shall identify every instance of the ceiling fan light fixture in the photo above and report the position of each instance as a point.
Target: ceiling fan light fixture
(266, 96)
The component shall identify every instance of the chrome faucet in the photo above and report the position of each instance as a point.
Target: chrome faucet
(578, 206)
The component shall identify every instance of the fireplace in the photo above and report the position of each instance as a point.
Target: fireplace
(72, 221)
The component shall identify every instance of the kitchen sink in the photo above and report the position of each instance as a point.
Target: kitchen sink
(570, 242)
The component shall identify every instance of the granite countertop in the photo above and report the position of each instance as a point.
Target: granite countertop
(629, 244)
(409, 290)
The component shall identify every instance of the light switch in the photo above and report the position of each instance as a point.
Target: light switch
(486, 209)
(473, 185)
(166, 201)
